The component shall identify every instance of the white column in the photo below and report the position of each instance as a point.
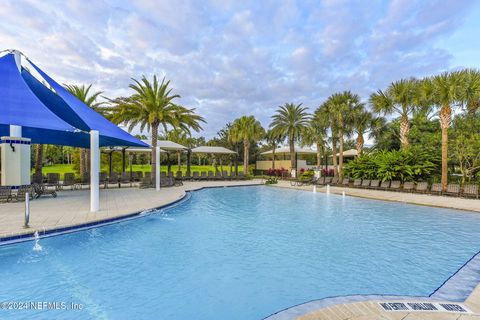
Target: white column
(157, 168)
(94, 171)
(15, 131)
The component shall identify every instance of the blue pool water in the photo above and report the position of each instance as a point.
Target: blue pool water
(239, 253)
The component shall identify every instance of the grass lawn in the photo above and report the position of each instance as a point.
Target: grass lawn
(63, 168)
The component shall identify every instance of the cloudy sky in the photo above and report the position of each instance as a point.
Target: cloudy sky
(228, 58)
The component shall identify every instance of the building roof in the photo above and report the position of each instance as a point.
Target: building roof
(213, 150)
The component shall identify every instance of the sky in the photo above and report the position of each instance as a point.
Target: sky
(228, 58)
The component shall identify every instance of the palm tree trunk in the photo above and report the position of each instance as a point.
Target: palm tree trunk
(39, 159)
(293, 163)
(319, 156)
(82, 166)
(245, 156)
(334, 155)
(340, 156)
(445, 119)
(179, 160)
(154, 146)
(360, 142)
(236, 159)
(404, 130)
(273, 156)
(189, 160)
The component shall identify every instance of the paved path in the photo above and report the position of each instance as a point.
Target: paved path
(72, 207)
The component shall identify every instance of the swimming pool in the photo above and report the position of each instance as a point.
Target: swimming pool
(240, 253)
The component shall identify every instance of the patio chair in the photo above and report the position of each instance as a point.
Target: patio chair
(195, 176)
(328, 180)
(21, 192)
(146, 181)
(37, 178)
(148, 175)
(453, 189)
(210, 175)
(334, 181)
(187, 176)
(436, 188)
(179, 175)
(5, 194)
(241, 176)
(113, 179)
(421, 187)
(203, 176)
(357, 182)
(346, 182)
(103, 179)
(218, 175)
(163, 174)
(385, 185)
(170, 174)
(395, 185)
(225, 175)
(470, 190)
(84, 180)
(41, 190)
(320, 181)
(408, 186)
(69, 180)
(374, 184)
(125, 179)
(53, 180)
(365, 183)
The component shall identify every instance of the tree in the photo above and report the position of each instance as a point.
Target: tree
(274, 139)
(83, 94)
(364, 121)
(290, 121)
(465, 145)
(246, 129)
(316, 133)
(402, 98)
(443, 91)
(469, 94)
(152, 106)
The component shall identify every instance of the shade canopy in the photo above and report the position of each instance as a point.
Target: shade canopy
(348, 153)
(212, 150)
(286, 150)
(51, 117)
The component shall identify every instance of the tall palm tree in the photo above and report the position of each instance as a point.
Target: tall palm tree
(364, 121)
(83, 94)
(290, 120)
(324, 115)
(469, 94)
(444, 92)
(401, 97)
(151, 106)
(246, 129)
(316, 133)
(340, 108)
(274, 139)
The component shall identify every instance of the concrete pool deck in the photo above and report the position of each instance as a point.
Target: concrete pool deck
(71, 208)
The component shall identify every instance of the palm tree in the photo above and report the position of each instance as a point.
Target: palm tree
(340, 108)
(364, 121)
(290, 121)
(274, 139)
(400, 97)
(83, 94)
(469, 94)
(246, 129)
(316, 133)
(443, 91)
(151, 106)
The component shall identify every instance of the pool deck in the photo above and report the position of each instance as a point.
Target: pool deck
(71, 208)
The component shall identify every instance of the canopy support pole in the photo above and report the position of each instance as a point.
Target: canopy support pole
(94, 171)
(157, 168)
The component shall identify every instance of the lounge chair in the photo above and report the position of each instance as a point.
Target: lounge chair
(408, 186)
(187, 176)
(385, 185)
(436, 188)
(241, 176)
(5, 194)
(357, 182)
(69, 180)
(148, 175)
(138, 176)
(42, 190)
(225, 175)
(328, 180)
(334, 181)
(37, 178)
(125, 179)
(113, 179)
(203, 176)
(218, 175)
(210, 175)
(21, 192)
(453, 189)
(365, 183)
(421, 187)
(470, 190)
(179, 175)
(346, 182)
(195, 176)
(84, 180)
(103, 179)
(374, 184)
(320, 181)
(53, 180)
(395, 185)
(146, 181)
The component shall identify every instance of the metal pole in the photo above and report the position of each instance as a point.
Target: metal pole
(94, 171)
(27, 210)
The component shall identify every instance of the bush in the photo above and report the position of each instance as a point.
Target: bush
(272, 180)
(412, 164)
(277, 172)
